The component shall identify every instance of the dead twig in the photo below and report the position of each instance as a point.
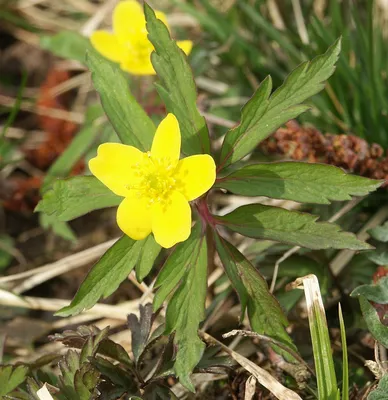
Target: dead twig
(264, 377)
(49, 271)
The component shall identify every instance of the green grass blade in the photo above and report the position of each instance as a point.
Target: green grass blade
(345, 363)
(323, 358)
(16, 107)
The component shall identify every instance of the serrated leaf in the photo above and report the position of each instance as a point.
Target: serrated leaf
(297, 181)
(372, 319)
(106, 346)
(380, 233)
(265, 314)
(85, 383)
(381, 393)
(296, 228)
(69, 366)
(67, 44)
(11, 377)
(78, 378)
(377, 292)
(105, 276)
(263, 114)
(111, 349)
(131, 123)
(140, 329)
(70, 198)
(147, 258)
(178, 89)
(175, 266)
(185, 311)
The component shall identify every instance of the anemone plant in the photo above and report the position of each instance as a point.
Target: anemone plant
(164, 201)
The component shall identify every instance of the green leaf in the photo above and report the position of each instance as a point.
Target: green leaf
(59, 228)
(185, 311)
(377, 292)
(297, 181)
(78, 378)
(296, 228)
(381, 393)
(130, 121)
(140, 329)
(263, 114)
(63, 165)
(6, 247)
(150, 252)
(380, 233)
(70, 198)
(178, 89)
(106, 275)
(265, 314)
(379, 255)
(67, 44)
(156, 391)
(11, 377)
(176, 265)
(118, 376)
(376, 328)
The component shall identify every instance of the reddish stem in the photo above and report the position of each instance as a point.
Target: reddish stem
(204, 212)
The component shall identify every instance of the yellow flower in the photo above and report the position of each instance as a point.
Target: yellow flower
(157, 186)
(128, 44)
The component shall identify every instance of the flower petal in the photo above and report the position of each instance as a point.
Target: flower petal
(137, 66)
(171, 223)
(167, 141)
(134, 217)
(129, 21)
(114, 166)
(196, 174)
(108, 45)
(185, 45)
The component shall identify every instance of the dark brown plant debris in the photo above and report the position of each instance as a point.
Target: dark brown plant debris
(22, 192)
(350, 152)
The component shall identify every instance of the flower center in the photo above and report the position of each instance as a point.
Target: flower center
(155, 180)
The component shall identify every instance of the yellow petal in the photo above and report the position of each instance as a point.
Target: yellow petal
(138, 67)
(185, 45)
(108, 45)
(115, 166)
(196, 174)
(134, 217)
(129, 21)
(171, 223)
(167, 141)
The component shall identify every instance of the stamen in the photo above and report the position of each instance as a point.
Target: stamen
(156, 180)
